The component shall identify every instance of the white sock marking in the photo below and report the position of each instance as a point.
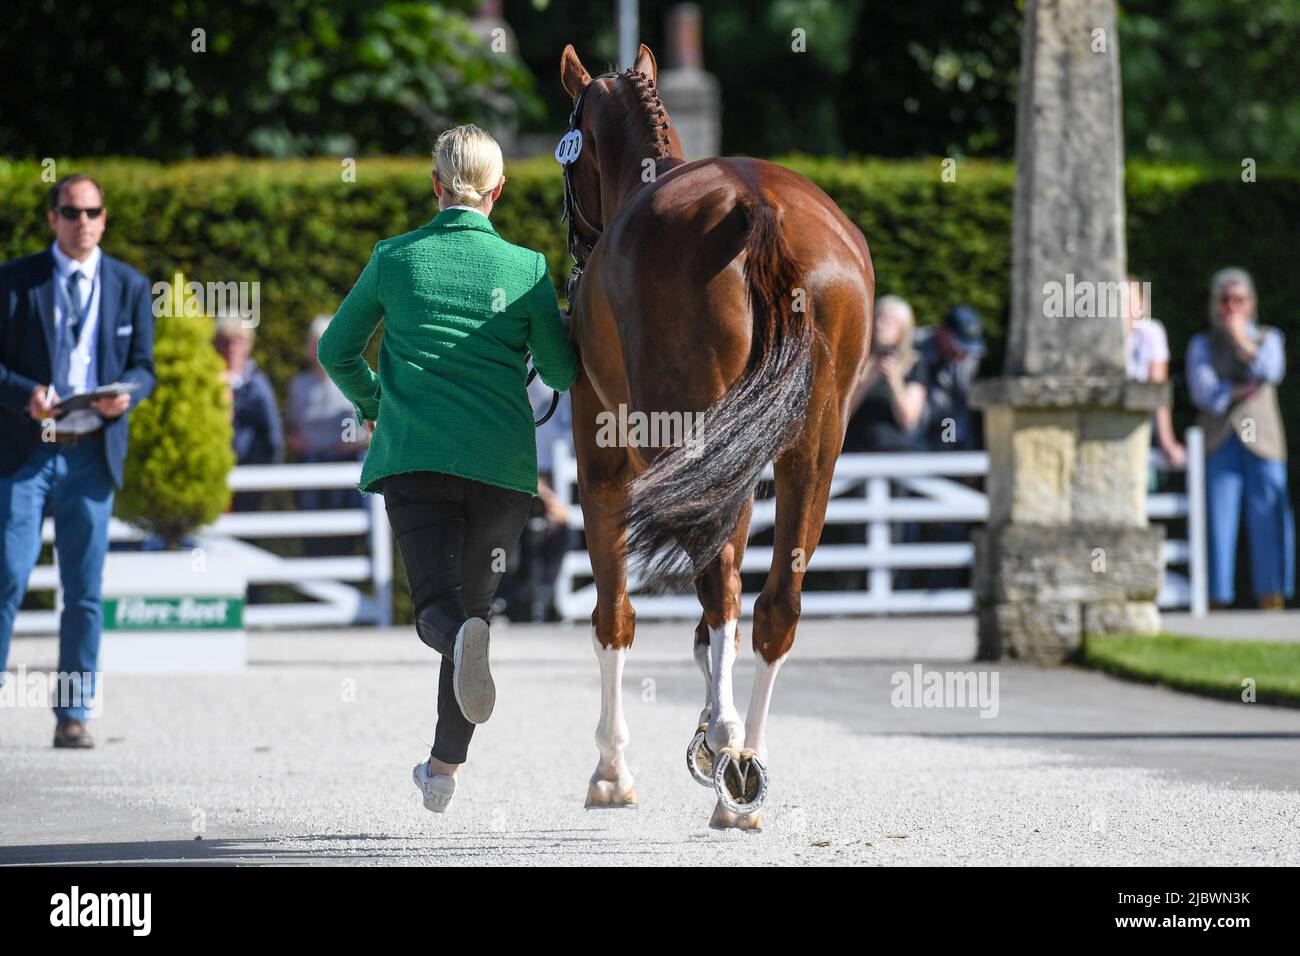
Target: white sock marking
(760, 700)
(722, 654)
(611, 732)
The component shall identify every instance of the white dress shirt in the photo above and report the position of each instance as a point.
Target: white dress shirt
(83, 375)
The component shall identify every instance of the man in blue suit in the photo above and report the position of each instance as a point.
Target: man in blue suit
(71, 319)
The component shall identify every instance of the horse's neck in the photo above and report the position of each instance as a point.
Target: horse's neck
(630, 165)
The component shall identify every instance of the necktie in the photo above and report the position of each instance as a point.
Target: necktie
(74, 296)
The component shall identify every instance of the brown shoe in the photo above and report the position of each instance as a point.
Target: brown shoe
(1271, 602)
(73, 733)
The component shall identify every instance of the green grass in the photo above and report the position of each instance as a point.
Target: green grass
(1202, 665)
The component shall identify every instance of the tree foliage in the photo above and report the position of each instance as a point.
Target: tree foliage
(1203, 80)
(275, 77)
(1211, 79)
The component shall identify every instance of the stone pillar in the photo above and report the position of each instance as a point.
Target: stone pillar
(1067, 550)
(691, 95)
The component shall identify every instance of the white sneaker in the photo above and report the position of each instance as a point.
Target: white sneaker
(471, 679)
(438, 788)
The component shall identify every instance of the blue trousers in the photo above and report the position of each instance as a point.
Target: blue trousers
(73, 482)
(1231, 473)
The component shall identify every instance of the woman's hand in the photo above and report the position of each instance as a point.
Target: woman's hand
(1242, 392)
(1237, 325)
(1175, 453)
(892, 370)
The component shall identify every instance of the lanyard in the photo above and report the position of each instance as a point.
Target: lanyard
(80, 346)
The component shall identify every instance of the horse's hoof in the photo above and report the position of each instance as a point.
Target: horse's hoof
(740, 780)
(724, 819)
(699, 758)
(610, 795)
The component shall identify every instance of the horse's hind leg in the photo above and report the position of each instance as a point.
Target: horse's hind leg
(717, 642)
(719, 593)
(603, 476)
(699, 758)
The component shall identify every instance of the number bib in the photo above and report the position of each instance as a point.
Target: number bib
(569, 147)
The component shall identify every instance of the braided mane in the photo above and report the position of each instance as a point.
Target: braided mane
(652, 112)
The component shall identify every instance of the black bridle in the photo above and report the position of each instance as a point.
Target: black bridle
(572, 207)
(577, 241)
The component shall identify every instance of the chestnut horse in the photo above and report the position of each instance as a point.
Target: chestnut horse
(732, 289)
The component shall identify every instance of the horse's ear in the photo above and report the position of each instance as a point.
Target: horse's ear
(573, 74)
(645, 63)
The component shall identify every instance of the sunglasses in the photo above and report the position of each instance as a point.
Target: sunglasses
(74, 212)
(1232, 299)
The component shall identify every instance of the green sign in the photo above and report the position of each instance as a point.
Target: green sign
(173, 613)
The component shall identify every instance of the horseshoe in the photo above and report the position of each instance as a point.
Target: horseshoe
(746, 773)
(699, 758)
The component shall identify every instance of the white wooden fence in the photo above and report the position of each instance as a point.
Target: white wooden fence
(328, 583)
(862, 494)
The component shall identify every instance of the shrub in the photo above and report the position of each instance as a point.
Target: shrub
(177, 467)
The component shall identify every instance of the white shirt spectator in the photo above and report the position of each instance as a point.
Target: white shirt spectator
(1146, 345)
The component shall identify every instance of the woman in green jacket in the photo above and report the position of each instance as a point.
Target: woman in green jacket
(453, 450)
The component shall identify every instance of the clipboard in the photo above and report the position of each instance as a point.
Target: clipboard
(74, 402)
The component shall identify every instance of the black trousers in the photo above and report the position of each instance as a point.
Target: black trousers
(455, 535)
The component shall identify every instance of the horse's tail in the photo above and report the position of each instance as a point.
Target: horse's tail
(685, 506)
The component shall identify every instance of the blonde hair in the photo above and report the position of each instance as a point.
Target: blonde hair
(468, 163)
(902, 311)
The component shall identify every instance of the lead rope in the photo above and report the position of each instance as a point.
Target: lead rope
(555, 395)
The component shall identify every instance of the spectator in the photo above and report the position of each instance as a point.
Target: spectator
(559, 427)
(322, 427)
(1148, 361)
(1232, 374)
(527, 591)
(259, 436)
(887, 406)
(71, 319)
(888, 403)
(949, 361)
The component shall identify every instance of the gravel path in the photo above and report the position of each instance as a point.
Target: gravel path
(306, 758)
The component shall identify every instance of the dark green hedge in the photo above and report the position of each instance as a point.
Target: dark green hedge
(305, 234)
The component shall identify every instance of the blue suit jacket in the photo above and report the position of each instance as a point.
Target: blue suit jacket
(123, 342)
